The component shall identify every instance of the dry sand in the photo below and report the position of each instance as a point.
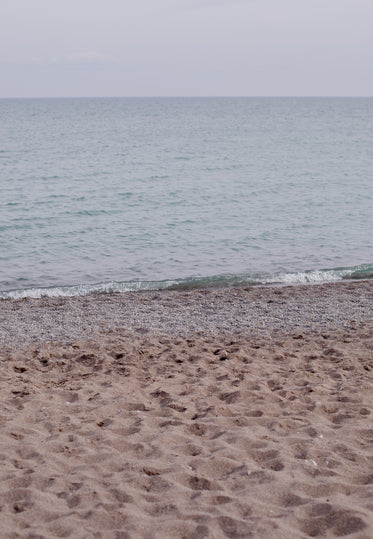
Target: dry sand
(216, 413)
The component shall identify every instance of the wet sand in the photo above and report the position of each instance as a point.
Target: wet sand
(205, 413)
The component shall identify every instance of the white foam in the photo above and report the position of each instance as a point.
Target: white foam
(285, 278)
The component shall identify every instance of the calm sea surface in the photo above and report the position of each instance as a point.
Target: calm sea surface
(125, 194)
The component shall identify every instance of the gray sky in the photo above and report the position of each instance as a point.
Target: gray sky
(185, 47)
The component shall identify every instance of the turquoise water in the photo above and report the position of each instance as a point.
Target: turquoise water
(127, 194)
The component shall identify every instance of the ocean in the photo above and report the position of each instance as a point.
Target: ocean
(116, 194)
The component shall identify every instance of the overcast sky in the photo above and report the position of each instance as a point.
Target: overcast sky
(186, 47)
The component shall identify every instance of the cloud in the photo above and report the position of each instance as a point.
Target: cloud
(88, 57)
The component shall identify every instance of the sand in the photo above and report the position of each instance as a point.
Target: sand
(211, 413)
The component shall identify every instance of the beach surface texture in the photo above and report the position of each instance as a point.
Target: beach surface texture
(232, 412)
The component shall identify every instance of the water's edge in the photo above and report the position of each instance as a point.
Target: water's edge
(362, 272)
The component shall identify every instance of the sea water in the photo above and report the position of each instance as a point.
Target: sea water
(138, 193)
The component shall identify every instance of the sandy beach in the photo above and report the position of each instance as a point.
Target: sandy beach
(241, 412)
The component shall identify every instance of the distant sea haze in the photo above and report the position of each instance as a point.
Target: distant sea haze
(102, 195)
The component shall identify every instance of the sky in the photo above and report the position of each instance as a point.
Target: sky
(77, 48)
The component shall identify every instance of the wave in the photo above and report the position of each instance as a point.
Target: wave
(362, 272)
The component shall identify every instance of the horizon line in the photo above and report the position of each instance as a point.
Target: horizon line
(295, 96)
